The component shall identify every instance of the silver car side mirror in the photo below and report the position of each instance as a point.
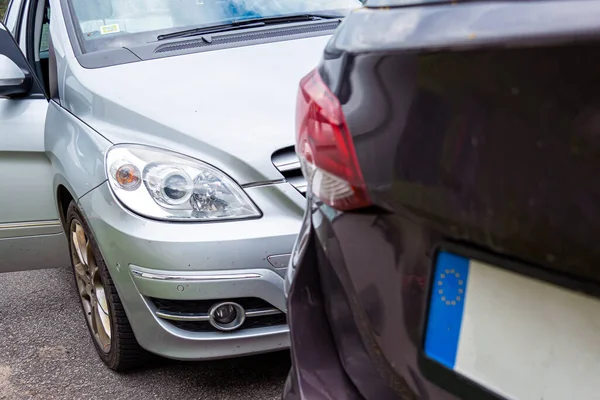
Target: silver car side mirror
(10, 73)
(13, 80)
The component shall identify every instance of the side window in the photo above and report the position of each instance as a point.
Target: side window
(38, 40)
(23, 29)
(12, 15)
(43, 45)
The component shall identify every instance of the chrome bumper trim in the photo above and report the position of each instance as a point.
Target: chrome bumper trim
(263, 183)
(262, 312)
(195, 276)
(182, 317)
(206, 317)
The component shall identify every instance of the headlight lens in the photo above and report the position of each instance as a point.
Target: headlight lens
(165, 185)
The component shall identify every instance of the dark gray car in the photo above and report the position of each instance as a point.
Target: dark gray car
(449, 247)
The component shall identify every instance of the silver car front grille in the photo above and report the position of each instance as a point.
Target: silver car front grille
(286, 161)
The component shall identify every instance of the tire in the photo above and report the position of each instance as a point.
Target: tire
(110, 331)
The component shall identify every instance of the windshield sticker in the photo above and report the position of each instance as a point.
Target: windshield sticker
(113, 28)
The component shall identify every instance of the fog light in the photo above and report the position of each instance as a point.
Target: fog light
(227, 316)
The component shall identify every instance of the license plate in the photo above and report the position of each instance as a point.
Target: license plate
(518, 337)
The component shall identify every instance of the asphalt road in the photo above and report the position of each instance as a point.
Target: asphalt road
(46, 353)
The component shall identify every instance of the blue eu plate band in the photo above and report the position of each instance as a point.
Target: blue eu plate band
(448, 294)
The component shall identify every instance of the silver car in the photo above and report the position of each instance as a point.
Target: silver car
(156, 137)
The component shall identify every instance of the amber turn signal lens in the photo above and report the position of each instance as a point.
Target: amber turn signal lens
(128, 177)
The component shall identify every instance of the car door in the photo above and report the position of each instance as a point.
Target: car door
(31, 235)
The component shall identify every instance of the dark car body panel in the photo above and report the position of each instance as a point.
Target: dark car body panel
(495, 147)
(482, 136)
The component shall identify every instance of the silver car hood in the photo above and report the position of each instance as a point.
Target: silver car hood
(231, 108)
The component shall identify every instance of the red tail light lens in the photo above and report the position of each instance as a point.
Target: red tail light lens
(325, 147)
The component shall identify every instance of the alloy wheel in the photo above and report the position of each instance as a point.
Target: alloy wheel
(89, 285)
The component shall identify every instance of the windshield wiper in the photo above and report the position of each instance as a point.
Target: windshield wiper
(247, 23)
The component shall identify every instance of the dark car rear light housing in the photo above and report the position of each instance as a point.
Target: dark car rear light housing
(325, 148)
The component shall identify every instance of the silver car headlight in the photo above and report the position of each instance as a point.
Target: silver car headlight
(164, 185)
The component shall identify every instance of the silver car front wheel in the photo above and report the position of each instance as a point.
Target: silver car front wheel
(90, 287)
(105, 317)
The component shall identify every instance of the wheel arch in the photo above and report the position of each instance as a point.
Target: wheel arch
(63, 199)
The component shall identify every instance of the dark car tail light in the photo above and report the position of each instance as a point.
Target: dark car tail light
(325, 147)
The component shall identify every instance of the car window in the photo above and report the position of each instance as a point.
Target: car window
(12, 15)
(45, 33)
(101, 21)
(23, 30)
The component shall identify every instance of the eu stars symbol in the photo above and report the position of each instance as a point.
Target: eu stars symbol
(447, 307)
(451, 287)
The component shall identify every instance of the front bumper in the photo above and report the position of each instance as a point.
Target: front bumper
(197, 261)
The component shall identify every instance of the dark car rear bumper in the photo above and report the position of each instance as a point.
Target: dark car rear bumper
(337, 351)
(316, 369)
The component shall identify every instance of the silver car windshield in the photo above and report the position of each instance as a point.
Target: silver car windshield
(115, 23)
